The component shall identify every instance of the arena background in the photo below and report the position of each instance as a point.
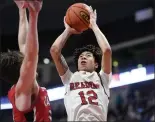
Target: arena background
(129, 27)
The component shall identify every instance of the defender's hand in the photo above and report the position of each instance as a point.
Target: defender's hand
(19, 3)
(33, 5)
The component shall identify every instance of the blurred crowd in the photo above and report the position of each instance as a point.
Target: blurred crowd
(135, 107)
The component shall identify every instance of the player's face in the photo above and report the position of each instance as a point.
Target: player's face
(86, 62)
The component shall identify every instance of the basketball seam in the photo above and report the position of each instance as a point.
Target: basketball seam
(80, 18)
(69, 17)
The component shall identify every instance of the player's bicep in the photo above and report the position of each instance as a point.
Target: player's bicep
(27, 75)
(63, 70)
(60, 63)
(25, 83)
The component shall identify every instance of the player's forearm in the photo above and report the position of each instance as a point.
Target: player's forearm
(32, 45)
(23, 29)
(101, 39)
(60, 42)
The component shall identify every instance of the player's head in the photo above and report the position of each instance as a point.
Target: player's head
(88, 58)
(10, 63)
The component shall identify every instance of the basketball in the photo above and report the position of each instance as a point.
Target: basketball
(77, 17)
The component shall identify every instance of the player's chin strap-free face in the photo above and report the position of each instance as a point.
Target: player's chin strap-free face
(103, 85)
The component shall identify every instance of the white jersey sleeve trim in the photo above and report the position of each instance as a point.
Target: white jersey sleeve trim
(66, 77)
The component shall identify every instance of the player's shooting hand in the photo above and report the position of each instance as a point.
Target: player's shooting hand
(71, 30)
(34, 6)
(93, 16)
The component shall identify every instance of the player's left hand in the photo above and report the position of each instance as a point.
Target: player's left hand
(93, 16)
(70, 30)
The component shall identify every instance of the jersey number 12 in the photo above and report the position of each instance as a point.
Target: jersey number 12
(90, 98)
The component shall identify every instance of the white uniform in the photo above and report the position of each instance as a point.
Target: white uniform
(86, 99)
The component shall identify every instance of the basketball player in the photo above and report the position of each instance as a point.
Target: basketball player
(19, 69)
(87, 90)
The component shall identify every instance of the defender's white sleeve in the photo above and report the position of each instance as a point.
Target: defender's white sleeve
(66, 77)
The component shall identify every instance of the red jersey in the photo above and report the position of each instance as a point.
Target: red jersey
(41, 107)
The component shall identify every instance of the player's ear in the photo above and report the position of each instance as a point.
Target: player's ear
(96, 65)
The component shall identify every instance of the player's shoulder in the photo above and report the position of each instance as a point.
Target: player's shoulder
(12, 89)
(11, 93)
(42, 90)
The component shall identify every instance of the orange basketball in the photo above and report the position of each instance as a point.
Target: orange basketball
(77, 17)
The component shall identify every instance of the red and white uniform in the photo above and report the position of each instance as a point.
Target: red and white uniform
(86, 99)
(41, 107)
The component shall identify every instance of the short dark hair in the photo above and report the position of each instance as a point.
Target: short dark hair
(96, 51)
(10, 64)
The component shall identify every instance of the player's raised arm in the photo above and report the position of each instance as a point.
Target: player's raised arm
(29, 65)
(56, 49)
(102, 41)
(23, 25)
